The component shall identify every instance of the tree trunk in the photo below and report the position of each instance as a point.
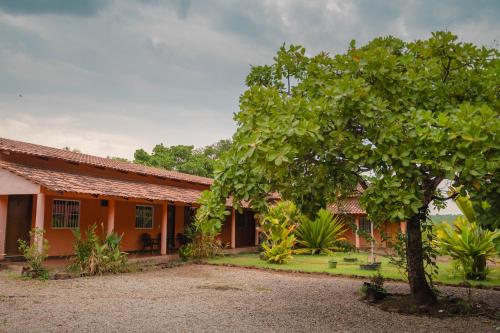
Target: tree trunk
(419, 287)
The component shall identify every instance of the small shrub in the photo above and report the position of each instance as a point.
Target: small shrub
(203, 234)
(278, 226)
(320, 235)
(345, 246)
(93, 256)
(33, 256)
(374, 290)
(186, 251)
(469, 245)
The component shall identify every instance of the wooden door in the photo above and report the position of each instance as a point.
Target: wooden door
(245, 229)
(18, 222)
(171, 227)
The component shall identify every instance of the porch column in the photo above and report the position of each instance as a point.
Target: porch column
(3, 224)
(356, 235)
(402, 226)
(233, 229)
(164, 219)
(39, 218)
(110, 226)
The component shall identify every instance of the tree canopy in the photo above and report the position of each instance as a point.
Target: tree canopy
(405, 115)
(184, 158)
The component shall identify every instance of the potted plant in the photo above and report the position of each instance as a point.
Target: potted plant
(372, 266)
(332, 263)
(374, 290)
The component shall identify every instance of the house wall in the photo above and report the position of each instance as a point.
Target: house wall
(61, 241)
(125, 224)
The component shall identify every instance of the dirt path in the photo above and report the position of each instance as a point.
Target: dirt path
(198, 298)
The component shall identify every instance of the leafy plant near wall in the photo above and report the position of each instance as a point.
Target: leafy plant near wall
(278, 226)
(204, 231)
(33, 255)
(466, 241)
(320, 235)
(470, 245)
(94, 256)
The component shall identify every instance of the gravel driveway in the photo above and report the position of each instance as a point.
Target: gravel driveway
(198, 298)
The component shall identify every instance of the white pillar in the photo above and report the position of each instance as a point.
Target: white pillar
(39, 218)
(110, 226)
(164, 221)
(356, 235)
(233, 229)
(3, 224)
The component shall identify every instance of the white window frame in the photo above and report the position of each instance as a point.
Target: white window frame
(65, 222)
(152, 217)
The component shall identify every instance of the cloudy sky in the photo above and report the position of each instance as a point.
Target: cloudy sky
(110, 76)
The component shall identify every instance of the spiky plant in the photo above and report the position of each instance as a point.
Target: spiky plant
(320, 235)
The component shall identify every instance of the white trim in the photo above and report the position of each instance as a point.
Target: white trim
(152, 217)
(52, 214)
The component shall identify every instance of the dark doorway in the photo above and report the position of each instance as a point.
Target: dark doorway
(18, 222)
(171, 227)
(245, 229)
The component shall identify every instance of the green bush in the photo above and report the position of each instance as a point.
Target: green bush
(33, 256)
(187, 251)
(278, 226)
(320, 235)
(204, 232)
(469, 244)
(94, 256)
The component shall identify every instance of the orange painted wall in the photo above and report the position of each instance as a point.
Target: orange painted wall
(125, 224)
(61, 241)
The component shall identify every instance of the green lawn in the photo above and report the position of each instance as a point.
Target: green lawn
(319, 264)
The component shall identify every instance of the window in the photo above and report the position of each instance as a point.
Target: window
(66, 214)
(144, 217)
(365, 225)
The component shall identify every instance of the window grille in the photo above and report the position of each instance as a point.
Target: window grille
(66, 214)
(365, 225)
(144, 217)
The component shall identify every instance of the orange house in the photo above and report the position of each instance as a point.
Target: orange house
(356, 216)
(59, 191)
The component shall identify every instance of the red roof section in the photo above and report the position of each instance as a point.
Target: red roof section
(69, 156)
(60, 181)
(348, 206)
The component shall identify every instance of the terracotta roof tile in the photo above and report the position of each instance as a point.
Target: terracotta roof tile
(347, 206)
(69, 156)
(60, 181)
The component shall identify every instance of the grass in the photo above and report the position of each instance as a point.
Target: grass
(319, 264)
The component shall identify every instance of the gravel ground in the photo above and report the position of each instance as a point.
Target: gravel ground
(198, 298)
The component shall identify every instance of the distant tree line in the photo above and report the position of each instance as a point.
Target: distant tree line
(183, 158)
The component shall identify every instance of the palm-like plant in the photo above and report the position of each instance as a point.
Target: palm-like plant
(320, 235)
(469, 244)
(466, 242)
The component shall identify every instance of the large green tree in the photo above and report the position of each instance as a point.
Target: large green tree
(184, 158)
(406, 115)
